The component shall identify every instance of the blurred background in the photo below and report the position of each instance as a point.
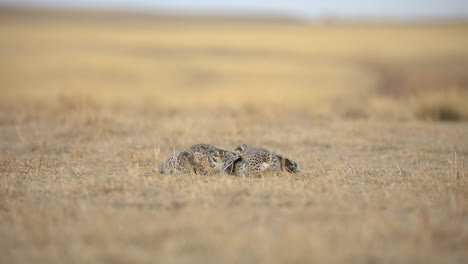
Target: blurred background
(400, 60)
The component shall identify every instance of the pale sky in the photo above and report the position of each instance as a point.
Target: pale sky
(408, 9)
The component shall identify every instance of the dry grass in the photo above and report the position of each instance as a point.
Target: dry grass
(326, 70)
(88, 107)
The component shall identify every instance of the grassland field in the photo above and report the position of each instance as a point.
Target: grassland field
(374, 113)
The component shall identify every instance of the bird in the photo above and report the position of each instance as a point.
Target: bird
(203, 159)
(256, 161)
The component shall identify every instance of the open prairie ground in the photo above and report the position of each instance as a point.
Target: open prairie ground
(374, 114)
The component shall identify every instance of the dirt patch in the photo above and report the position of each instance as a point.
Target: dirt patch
(409, 79)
